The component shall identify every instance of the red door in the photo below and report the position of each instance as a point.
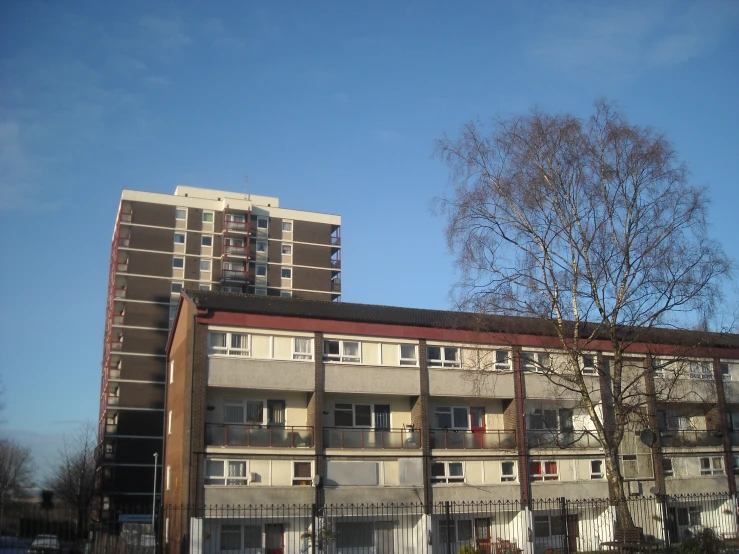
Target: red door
(275, 538)
(477, 424)
(482, 535)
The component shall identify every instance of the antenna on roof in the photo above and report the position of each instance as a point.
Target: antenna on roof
(246, 180)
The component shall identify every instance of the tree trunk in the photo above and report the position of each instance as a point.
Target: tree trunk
(616, 492)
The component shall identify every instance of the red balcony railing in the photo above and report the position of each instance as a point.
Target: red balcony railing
(687, 438)
(460, 439)
(251, 435)
(336, 437)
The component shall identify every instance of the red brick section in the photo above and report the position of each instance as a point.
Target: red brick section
(318, 403)
(725, 437)
(515, 412)
(653, 419)
(422, 410)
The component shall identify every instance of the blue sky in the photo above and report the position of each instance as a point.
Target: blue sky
(331, 106)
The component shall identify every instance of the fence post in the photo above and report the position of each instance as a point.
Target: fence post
(314, 528)
(662, 498)
(448, 528)
(565, 523)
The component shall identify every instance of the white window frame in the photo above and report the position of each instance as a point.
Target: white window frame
(413, 362)
(549, 518)
(260, 219)
(713, 468)
(454, 538)
(300, 481)
(212, 214)
(263, 243)
(302, 355)
(544, 476)
(286, 293)
(508, 477)
(175, 258)
(177, 211)
(447, 477)
(507, 364)
(342, 357)
(353, 409)
(536, 362)
(204, 286)
(700, 370)
(665, 471)
(450, 411)
(202, 241)
(174, 284)
(725, 370)
(260, 291)
(208, 263)
(288, 246)
(287, 223)
(586, 367)
(601, 473)
(228, 350)
(237, 480)
(282, 273)
(243, 404)
(183, 235)
(233, 265)
(236, 217)
(443, 360)
(258, 267)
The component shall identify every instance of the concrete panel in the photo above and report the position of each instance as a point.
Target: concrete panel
(538, 386)
(454, 382)
(351, 473)
(569, 489)
(463, 493)
(731, 390)
(698, 485)
(372, 379)
(373, 495)
(260, 374)
(687, 390)
(149, 213)
(255, 496)
(410, 471)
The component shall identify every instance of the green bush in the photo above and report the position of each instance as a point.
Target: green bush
(703, 542)
(469, 549)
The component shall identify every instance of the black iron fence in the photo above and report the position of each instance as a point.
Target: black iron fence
(676, 524)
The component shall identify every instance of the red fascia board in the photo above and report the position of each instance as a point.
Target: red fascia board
(263, 321)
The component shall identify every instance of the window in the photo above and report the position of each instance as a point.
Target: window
(596, 469)
(179, 238)
(237, 218)
(442, 356)
(507, 471)
(700, 370)
(457, 531)
(689, 516)
(725, 371)
(286, 293)
(354, 534)
(207, 217)
(169, 471)
(169, 422)
(712, 466)
(450, 417)
(260, 291)
(535, 361)
(241, 410)
(287, 226)
(588, 365)
(204, 265)
(353, 415)
(286, 273)
(180, 213)
(302, 473)
(204, 286)
(736, 465)
(447, 472)
(341, 351)
(233, 266)
(226, 472)
(206, 240)
(302, 348)
(543, 420)
(502, 360)
(544, 471)
(178, 263)
(262, 222)
(176, 288)
(658, 367)
(171, 372)
(261, 270)
(408, 354)
(667, 470)
(252, 536)
(262, 246)
(630, 466)
(172, 313)
(231, 288)
(548, 526)
(287, 249)
(230, 537)
(229, 344)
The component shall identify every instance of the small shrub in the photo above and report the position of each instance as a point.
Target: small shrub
(469, 549)
(702, 542)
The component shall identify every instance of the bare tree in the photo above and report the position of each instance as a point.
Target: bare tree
(593, 228)
(16, 465)
(73, 480)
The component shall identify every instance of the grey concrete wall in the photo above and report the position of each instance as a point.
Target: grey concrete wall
(260, 374)
(478, 493)
(539, 386)
(455, 382)
(731, 389)
(372, 379)
(351, 473)
(572, 490)
(254, 495)
(373, 495)
(699, 485)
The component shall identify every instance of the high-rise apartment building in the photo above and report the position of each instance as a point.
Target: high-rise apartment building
(199, 239)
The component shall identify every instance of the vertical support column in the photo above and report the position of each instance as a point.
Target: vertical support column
(653, 419)
(423, 408)
(725, 438)
(519, 390)
(317, 406)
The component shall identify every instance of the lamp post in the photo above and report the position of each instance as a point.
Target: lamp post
(154, 494)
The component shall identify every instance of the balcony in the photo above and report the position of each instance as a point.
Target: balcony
(233, 275)
(688, 438)
(536, 438)
(232, 225)
(455, 439)
(265, 437)
(335, 286)
(371, 439)
(734, 438)
(234, 250)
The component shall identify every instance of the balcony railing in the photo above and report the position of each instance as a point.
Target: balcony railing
(234, 250)
(686, 438)
(335, 286)
(235, 225)
(233, 275)
(250, 435)
(536, 438)
(373, 439)
(457, 439)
